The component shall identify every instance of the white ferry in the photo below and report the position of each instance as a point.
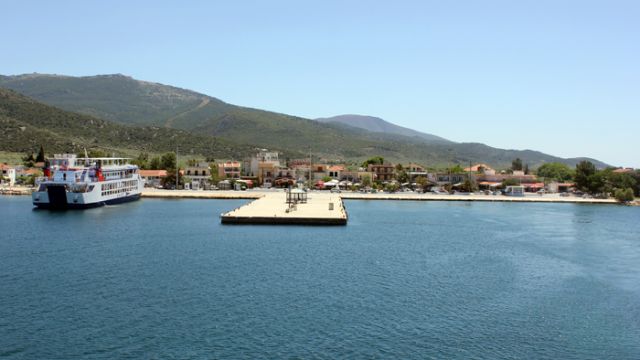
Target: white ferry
(78, 183)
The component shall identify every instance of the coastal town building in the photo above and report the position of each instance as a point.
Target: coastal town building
(8, 174)
(199, 175)
(414, 171)
(479, 168)
(152, 178)
(229, 170)
(264, 166)
(384, 172)
(444, 179)
(335, 171)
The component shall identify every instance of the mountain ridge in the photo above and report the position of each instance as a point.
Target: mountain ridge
(376, 124)
(125, 100)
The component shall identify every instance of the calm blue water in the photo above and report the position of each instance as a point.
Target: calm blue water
(163, 279)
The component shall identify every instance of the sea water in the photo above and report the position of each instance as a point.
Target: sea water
(164, 279)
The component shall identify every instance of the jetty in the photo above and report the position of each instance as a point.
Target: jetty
(273, 208)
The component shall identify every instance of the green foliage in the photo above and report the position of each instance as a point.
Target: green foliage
(366, 180)
(28, 160)
(215, 177)
(516, 164)
(401, 174)
(624, 195)
(155, 164)
(422, 182)
(326, 179)
(376, 160)
(142, 161)
(457, 169)
(168, 161)
(41, 156)
(469, 186)
(169, 181)
(26, 125)
(556, 171)
(391, 187)
(603, 182)
(584, 171)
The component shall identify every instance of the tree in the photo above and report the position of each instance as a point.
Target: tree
(40, 157)
(215, 177)
(624, 195)
(376, 160)
(469, 185)
(96, 153)
(401, 175)
(327, 179)
(556, 171)
(584, 170)
(526, 169)
(28, 160)
(169, 181)
(457, 169)
(142, 160)
(422, 182)
(516, 164)
(392, 187)
(155, 164)
(366, 180)
(168, 161)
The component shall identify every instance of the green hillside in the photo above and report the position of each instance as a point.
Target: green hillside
(26, 124)
(128, 101)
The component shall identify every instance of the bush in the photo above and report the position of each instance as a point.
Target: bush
(624, 195)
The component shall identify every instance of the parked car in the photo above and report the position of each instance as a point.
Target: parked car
(335, 190)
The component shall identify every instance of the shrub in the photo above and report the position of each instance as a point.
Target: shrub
(624, 195)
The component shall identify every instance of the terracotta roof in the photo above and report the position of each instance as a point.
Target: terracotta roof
(623, 170)
(30, 171)
(230, 163)
(153, 173)
(336, 168)
(477, 167)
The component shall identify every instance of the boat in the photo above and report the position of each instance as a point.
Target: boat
(70, 182)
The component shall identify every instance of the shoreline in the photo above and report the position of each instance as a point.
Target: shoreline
(257, 194)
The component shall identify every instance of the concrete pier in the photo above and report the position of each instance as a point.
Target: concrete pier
(272, 208)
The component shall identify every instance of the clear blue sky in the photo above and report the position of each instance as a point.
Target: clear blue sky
(562, 77)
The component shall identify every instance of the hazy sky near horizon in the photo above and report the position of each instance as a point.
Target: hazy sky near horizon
(562, 77)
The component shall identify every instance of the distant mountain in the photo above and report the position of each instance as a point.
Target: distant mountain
(375, 124)
(161, 108)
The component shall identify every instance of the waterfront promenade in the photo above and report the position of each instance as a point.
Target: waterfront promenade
(347, 195)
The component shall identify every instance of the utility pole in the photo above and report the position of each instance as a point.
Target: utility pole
(177, 169)
(310, 165)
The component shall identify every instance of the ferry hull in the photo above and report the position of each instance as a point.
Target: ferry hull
(64, 205)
